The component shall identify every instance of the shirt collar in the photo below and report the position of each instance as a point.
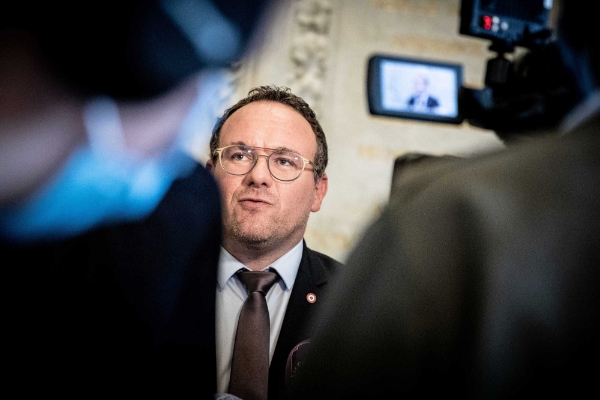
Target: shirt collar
(286, 266)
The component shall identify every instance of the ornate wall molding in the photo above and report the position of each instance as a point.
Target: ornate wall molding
(309, 50)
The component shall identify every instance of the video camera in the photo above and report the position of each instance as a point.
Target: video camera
(522, 94)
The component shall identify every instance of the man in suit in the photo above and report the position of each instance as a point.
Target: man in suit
(480, 279)
(422, 100)
(268, 155)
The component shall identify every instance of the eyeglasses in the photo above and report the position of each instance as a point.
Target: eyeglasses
(284, 165)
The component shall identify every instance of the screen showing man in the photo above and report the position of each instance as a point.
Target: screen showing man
(414, 88)
(419, 89)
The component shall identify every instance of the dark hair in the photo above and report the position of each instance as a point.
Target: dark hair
(285, 96)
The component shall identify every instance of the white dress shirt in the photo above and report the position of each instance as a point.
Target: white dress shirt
(231, 295)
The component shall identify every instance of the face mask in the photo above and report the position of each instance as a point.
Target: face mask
(101, 184)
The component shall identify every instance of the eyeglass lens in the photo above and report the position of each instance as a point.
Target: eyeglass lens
(284, 165)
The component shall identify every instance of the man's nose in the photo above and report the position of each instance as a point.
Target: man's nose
(261, 173)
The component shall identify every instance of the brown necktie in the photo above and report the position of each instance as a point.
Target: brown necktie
(250, 364)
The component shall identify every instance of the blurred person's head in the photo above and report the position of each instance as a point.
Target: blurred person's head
(268, 154)
(98, 99)
(145, 54)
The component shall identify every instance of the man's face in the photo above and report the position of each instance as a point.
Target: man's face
(258, 210)
(420, 84)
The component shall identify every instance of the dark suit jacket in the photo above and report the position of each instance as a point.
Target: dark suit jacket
(127, 308)
(432, 102)
(315, 276)
(480, 280)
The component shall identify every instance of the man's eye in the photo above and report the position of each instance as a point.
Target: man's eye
(240, 156)
(285, 161)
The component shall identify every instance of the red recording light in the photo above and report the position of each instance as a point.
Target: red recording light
(487, 22)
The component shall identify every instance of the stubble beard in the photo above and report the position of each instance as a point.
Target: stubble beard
(263, 234)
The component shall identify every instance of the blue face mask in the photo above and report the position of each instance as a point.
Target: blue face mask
(99, 184)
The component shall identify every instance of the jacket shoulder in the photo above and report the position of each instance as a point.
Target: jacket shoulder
(330, 263)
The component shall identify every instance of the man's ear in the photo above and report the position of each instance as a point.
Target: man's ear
(320, 192)
(210, 166)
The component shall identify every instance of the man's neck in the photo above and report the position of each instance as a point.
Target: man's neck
(260, 256)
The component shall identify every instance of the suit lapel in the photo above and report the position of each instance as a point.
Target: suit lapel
(299, 315)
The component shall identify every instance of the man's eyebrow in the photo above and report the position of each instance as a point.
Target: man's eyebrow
(241, 143)
(288, 149)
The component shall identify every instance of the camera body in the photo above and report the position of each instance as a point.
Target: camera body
(523, 94)
(510, 23)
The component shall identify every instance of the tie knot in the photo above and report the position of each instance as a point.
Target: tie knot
(257, 281)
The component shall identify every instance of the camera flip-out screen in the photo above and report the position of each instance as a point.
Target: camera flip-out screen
(410, 88)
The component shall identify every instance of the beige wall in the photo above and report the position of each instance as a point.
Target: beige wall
(320, 49)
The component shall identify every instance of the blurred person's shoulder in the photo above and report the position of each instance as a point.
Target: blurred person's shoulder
(543, 176)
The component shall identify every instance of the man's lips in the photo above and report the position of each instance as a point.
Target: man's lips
(253, 200)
